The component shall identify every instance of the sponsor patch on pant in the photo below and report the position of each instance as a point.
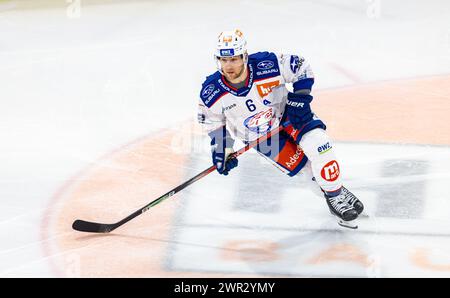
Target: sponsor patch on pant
(330, 171)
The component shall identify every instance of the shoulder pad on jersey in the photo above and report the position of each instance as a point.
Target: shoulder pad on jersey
(261, 56)
(214, 77)
(265, 65)
(211, 91)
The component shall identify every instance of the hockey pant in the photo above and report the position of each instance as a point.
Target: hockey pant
(308, 150)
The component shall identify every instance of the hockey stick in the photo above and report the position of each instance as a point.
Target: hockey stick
(94, 227)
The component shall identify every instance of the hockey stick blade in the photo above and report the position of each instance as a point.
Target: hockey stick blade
(92, 227)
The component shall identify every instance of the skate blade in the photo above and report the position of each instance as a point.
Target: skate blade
(351, 224)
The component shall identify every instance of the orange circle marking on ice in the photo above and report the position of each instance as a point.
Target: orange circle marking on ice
(110, 190)
(407, 111)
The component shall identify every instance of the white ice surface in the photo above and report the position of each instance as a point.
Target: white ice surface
(74, 88)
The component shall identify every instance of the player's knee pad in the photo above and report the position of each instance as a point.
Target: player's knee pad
(316, 143)
(318, 147)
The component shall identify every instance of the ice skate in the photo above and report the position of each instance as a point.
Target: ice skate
(353, 201)
(342, 210)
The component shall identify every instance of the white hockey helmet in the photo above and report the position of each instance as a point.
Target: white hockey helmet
(231, 43)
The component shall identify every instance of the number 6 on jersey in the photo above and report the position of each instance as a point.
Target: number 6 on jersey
(251, 107)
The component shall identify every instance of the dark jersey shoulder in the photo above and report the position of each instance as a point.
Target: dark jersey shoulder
(260, 56)
(265, 65)
(211, 90)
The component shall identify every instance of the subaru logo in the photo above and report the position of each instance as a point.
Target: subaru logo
(266, 64)
(208, 90)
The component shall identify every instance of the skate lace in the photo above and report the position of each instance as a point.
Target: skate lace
(339, 203)
(350, 198)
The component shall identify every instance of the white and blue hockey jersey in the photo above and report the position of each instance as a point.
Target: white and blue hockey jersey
(258, 107)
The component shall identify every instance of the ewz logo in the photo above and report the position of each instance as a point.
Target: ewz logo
(227, 52)
(324, 148)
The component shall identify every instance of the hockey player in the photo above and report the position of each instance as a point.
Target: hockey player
(247, 97)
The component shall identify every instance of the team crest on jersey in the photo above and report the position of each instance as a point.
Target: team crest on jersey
(265, 88)
(266, 64)
(260, 122)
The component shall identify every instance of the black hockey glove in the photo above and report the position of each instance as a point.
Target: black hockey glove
(298, 109)
(222, 150)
